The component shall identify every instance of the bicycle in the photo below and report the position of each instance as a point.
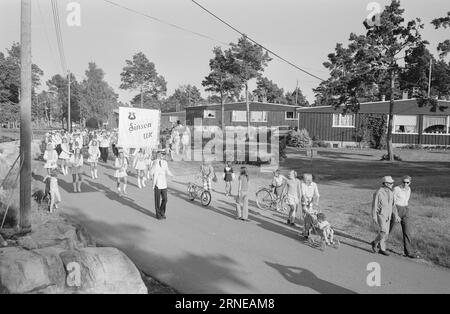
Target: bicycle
(197, 191)
(267, 200)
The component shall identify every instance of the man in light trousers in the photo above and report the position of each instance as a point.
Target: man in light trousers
(383, 209)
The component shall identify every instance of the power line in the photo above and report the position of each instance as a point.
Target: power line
(46, 33)
(164, 22)
(59, 39)
(256, 43)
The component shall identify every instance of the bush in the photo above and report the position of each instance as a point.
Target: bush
(321, 144)
(299, 138)
(372, 131)
(385, 157)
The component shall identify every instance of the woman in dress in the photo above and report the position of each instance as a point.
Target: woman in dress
(185, 141)
(64, 156)
(242, 197)
(51, 158)
(94, 154)
(121, 165)
(76, 163)
(140, 167)
(148, 163)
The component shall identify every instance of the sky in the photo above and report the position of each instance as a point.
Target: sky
(302, 31)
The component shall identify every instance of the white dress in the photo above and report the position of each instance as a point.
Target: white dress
(140, 163)
(65, 151)
(51, 158)
(121, 168)
(94, 154)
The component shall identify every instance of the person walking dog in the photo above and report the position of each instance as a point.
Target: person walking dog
(402, 193)
(383, 210)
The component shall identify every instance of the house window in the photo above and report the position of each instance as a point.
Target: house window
(290, 115)
(343, 121)
(435, 125)
(209, 114)
(173, 119)
(258, 116)
(405, 124)
(239, 116)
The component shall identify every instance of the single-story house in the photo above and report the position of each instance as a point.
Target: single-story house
(412, 124)
(261, 114)
(169, 119)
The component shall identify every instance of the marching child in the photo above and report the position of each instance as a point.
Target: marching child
(228, 177)
(94, 155)
(55, 196)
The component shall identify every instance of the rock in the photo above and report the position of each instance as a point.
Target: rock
(27, 243)
(104, 270)
(22, 271)
(3, 242)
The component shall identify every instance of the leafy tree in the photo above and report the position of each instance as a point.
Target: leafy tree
(444, 22)
(58, 86)
(98, 99)
(268, 91)
(221, 80)
(249, 61)
(140, 74)
(296, 98)
(10, 83)
(357, 72)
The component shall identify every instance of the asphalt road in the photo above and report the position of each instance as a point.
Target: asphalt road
(205, 250)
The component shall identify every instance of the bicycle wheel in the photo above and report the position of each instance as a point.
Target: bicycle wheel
(205, 198)
(264, 199)
(283, 206)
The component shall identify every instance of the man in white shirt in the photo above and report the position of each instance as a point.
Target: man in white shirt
(402, 193)
(158, 173)
(104, 145)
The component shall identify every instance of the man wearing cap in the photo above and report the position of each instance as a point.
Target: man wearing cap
(383, 208)
(159, 171)
(402, 194)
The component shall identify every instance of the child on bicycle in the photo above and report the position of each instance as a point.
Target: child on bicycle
(325, 228)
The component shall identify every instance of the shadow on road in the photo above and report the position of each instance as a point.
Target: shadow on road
(201, 273)
(305, 278)
(112, 195)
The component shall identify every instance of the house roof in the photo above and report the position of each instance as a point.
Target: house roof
(403, 106)
(235, 105)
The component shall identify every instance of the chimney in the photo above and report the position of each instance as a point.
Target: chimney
(264, 98)
(405, 95)
(383, 97)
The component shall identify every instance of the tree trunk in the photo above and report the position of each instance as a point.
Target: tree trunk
(248, 110)
(222, 107)
(390, 150)
(142, 99)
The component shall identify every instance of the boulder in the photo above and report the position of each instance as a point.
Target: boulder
(3, 242)
(22, 271)
(103, 270)
(53, 270)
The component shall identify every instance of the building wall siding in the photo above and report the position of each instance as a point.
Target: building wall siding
(320, 126)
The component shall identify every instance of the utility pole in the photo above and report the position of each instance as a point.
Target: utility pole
(25, 117)
(429, 78)
(69, 120)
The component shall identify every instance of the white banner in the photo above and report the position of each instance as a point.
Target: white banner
(138, 127)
